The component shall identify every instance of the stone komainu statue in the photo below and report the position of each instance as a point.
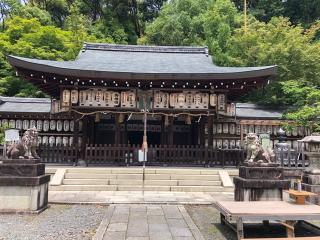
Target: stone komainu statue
(27, 146)
(256, 154)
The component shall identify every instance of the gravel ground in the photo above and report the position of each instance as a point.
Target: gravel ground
(207, 219)
(59, 222)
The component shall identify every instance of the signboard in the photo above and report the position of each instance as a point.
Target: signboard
(265, 140)
(141, 157)
(11, 135)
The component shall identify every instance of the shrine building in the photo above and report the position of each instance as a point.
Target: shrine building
(98, 102)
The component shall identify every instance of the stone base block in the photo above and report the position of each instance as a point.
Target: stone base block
(259, 189)
(311, 188)
(15, 199)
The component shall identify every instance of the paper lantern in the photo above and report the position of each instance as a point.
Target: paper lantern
(65, 100)
(74, 96)
(46, 125)
(213, 100)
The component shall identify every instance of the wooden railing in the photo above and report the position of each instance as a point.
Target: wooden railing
(163, 155)
(59, 154)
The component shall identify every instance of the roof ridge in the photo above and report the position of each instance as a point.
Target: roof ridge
(145, 48)
(24, 99)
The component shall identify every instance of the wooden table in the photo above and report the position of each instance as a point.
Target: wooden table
(299, 196)
(284, 212)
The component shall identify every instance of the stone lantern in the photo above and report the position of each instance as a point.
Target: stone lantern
(310, 150)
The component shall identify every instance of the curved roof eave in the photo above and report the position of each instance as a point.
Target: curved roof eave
(232, 73)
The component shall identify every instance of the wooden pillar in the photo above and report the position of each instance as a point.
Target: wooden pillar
(210, 131)
(117, 129)
(202, 131)
(163, 131)
(170, 131)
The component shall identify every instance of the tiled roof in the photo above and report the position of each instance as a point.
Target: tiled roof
(24, 105)
(249, 110)
(142, 62)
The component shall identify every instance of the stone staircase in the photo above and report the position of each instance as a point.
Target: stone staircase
(130, 179)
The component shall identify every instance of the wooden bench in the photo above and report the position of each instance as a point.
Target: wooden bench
(295, 238)
(286, 213)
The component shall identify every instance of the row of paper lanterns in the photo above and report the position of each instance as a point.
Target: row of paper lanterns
(42, 125)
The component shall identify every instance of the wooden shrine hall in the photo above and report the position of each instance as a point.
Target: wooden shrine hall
(105, 92)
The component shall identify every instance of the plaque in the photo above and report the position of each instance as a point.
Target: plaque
(74, 96)
(65, 100)
(221, 103)
(11, 135)
(213, 100)
(265, 140)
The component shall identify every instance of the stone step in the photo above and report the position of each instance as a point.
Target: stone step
(184, 171)
(197, 189)
(83, 188)
(86, 182)
(101, 176)
(196, 177)
(136, 188)
(198, 183)
(106, 170)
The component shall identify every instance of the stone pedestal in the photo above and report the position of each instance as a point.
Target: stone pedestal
(23, 186)
(311, 183)
(260, 183)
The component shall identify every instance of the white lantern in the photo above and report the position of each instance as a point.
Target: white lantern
(65, 141)
(225, 128)
(25, 124)
(71, 125)
(66, 125)
(52, 125)
(46, 125)
(59, 125)
(33, 123)
(19, 124)
(39, 125)
(52, 140)
(58, 141)
(12, 123)
(116, 99)
(45, 140)
(181, 100)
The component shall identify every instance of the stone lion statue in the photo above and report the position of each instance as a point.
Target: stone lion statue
(26, 148)
(256, 154)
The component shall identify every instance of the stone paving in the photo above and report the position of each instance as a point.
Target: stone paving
(139, 197)
(147, 222)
